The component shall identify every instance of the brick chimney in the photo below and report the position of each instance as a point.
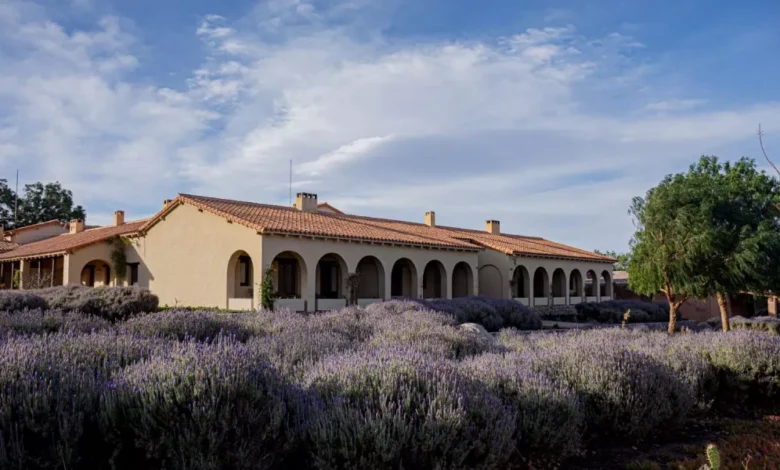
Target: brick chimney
(493, 226)
(430, 219)
(76, 226)
(306, 202)
(119, 218)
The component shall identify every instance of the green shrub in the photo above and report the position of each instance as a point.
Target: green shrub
(16, 300)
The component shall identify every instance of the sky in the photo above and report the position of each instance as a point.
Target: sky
(549, 116)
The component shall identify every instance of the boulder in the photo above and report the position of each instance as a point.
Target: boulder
(476, 330)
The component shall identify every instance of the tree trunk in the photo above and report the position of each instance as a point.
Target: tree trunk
(724, 311)
(672, 317)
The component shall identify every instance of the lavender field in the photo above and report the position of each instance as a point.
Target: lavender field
(394, 385)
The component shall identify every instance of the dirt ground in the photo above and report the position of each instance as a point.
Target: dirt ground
(745, 440)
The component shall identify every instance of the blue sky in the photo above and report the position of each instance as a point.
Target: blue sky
(548, 116)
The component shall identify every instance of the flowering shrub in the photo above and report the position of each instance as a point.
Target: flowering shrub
(50, 321)
(111, 303)
(16, 300)
(389, 386)
(398, 408)
(548, 412)
(763, 323)
(202, 405)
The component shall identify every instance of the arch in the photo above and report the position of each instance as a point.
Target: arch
(372, 278)
(462, 280)
(403, 279)
(541, 283)
(606, 287)
(490, 282)
(290, 274)
(591, 282)
(96, 273)
(434, 280)
(522, 282)
(559, 283)
(575, 283)
(240, 276)
(330, 274)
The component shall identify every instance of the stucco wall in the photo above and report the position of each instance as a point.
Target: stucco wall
(186, 258)
(506, 265)
(38, 233)
(311, 250)
(75, 262)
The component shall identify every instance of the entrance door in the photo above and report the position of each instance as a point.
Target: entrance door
(329, 281)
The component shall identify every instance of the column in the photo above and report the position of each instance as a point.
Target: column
(24, 271)
(388, 284)
(309, 291)
(772, 306)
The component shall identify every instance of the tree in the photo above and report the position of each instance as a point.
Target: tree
(667, 244)
(39, 203)
(622, 258)
(711, 231)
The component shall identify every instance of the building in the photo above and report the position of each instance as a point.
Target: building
(209, 252)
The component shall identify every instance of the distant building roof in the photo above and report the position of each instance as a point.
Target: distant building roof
(66, 242)
(34, 226)
(5, 246)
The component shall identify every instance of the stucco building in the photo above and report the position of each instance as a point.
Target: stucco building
(209, 252)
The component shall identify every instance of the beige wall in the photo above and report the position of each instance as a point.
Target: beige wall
(498, 265)
(76, 261)
(38, 233)
(187, 259)
(311, 250)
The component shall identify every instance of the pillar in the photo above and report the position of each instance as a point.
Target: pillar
(24, 271)
(388, 283)
(309, 291)
(772, 306)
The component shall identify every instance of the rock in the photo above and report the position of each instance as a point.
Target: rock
(475, 329)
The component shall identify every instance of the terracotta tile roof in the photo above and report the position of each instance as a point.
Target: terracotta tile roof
(67, 242)
(326, 206)
(34, 226)
(287, 220)
(5, 246)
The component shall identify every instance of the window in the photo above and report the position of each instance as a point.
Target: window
(133, 273)
(243, 267)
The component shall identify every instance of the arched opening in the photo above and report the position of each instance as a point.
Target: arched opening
(490, 282)
(521, 283)
(240, 276)
(96, 273)
(541, 284)
(331, 270)
(289, 275)
(559, 283)
(403, 280)
(462, 280)
(575, 283)
(372, 278)
(590, 283)
(606, 284)
(434, 280)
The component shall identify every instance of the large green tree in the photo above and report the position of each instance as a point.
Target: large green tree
(38, 203)
(710, 231)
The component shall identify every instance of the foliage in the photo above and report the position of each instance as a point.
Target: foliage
(493, 314)
(710, 231)
(713, 457)
(267, 289)
(15, 300)
(394, 385)
(39, 203)
(111, 303)
(353, 284)
(119, 256)
(622, 258)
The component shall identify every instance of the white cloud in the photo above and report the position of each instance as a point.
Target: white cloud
(502, 128)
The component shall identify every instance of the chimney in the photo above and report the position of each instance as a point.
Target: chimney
(493, 226)
(430, 219)
(166, 203)
(76, 226)
(119, 218)
(306, 202)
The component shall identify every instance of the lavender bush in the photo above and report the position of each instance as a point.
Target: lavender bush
(50, 321)
(398, 408)
(198, 325)
(611, 311)
(16, 300)
(548, 413)
(201, 406)
(111, 303)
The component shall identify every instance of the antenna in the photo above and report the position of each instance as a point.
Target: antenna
(16, 200)
(291, 182)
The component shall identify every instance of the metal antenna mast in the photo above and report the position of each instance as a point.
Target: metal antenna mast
(291, 182)
(16, 200)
